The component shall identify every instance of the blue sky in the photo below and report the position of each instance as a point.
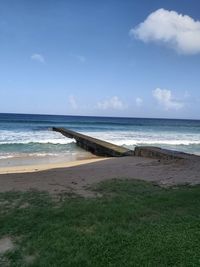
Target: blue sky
(109, 58)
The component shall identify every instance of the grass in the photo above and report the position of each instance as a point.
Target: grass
(134, 223)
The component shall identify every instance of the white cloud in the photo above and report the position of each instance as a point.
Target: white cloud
(178, 31)
(77, 57)
(38, 57)
(112, 103)
(138, 101)
(165, 99)
(72, 102)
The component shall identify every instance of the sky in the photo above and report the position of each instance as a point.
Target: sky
(102, 58)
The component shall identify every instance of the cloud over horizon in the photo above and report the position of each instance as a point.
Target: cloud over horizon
(165, 99)
(138, 101)
(177, 31)
(111, 103)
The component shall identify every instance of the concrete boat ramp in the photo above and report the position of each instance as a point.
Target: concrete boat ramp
(95, 146)
(101, 148)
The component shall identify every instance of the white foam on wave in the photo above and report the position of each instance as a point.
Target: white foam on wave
(35, 154)
(6, 156)
(42, 154)
(148, 138)
(158, 142)
(49, 141)
(27, 137)
(127, 138)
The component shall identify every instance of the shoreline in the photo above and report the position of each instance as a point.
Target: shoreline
(48, 166)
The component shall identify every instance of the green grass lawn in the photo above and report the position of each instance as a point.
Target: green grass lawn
(134, 223)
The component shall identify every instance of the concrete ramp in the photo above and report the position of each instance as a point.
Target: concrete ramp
(94, 145)
(161, 153)
(106, 149)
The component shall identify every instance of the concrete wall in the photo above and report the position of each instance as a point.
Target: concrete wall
(158, 153)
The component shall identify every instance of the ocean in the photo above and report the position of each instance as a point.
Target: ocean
(28, 139)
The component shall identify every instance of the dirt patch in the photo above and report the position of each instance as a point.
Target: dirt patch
(6, 244)
(77, 179)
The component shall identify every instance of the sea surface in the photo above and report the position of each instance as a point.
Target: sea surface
(28, 139)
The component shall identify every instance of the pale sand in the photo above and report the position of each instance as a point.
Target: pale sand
(76, 178)
(48, 166)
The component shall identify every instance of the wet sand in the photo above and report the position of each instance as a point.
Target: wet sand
(47, 166)
(78, 176)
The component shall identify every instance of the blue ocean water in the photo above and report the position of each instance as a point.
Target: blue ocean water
(25, 134)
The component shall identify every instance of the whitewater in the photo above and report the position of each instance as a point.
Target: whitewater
(24, 135)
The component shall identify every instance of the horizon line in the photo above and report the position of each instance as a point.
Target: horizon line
(98, 116)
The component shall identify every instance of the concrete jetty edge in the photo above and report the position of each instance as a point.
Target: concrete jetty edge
(102, 148)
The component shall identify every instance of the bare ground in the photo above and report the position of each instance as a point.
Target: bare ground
(76, 179)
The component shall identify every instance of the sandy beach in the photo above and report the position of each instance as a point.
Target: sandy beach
(47, 166)
(76, 177)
